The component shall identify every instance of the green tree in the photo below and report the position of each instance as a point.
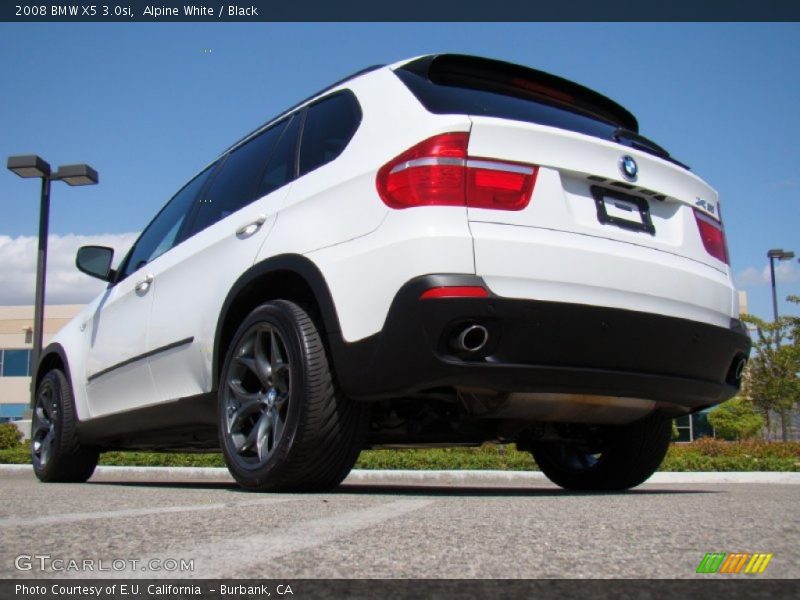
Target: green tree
(772, 379)
(736, 419)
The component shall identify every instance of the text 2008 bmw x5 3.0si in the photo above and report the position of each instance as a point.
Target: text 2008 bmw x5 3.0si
(446, 251)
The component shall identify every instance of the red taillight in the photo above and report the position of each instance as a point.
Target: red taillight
(713, 236)
(438, 172)
(457, 291)
(498, 185)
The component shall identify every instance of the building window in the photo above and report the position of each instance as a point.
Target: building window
(12, 412)
(15, 363)
(694, 426)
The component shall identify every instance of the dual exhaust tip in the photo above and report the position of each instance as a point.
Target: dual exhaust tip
(470, 339)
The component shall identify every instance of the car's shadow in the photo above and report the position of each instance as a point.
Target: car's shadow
(412, 489)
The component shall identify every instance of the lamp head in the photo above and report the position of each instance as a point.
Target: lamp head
(28, 165)
(80, 174)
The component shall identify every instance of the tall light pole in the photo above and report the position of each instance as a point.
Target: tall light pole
(780, 254)
(34, 166)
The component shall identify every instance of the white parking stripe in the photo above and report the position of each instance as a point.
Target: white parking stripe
(223, 559)
(228, 558)
(129, 512)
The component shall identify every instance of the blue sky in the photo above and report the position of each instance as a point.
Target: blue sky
(149, 104)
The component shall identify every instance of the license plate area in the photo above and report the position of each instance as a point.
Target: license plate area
(622, 210)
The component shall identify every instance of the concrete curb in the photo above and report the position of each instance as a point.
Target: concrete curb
(221, 475)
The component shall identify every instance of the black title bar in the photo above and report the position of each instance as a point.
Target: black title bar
(408, 10)
(743, 588)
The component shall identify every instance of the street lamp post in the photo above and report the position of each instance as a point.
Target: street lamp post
(779, 254)
(34, 166)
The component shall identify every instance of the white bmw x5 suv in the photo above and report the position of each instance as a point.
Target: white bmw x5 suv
(446, 251)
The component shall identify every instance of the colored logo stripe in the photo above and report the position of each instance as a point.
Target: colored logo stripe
(720, 562)
(734, 562)
(711, 562)
(758, 563)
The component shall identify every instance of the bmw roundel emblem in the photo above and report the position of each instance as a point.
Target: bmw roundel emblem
(628, 167)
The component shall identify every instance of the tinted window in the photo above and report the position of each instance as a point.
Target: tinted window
(281, 166)
(16, 363)
(329, 126)
(451, 99)
(237, 182)
(162, 233)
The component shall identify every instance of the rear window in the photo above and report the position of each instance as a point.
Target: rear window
(449, 99)
(449, 84)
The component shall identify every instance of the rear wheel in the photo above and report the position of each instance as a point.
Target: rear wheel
(283, 424)
(55, 451)
(619, 458)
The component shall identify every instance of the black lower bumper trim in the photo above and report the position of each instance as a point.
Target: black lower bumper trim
(537, 346)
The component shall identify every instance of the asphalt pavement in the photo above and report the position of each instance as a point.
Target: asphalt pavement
(197, 523)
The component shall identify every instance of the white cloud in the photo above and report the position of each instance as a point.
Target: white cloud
(785, 272)
(750, 277)
(64, 284)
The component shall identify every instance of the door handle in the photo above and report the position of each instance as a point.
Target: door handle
(144, 284)
(250, 228)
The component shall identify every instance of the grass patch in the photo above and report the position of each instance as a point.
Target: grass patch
(703, 455)
(504, 458)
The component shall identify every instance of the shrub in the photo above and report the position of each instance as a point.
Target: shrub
(736, 419)
(10, 436)
(20, 455)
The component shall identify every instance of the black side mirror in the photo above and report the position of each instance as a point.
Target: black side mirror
(95, 261)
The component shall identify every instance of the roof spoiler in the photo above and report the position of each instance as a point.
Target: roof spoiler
(516, 80)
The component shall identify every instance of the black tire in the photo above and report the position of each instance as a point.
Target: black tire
(624, 457)
(283, 425)
(55, 452)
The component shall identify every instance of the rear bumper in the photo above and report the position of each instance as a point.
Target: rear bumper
(537, 346)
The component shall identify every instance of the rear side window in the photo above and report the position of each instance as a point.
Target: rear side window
(330, 125)
(163, 231)
(237, 182)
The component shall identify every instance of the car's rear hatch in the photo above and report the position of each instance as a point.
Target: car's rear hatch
(581, 144)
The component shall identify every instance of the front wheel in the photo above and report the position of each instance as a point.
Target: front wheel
(283, 424)
(55, 451)
(619, 458)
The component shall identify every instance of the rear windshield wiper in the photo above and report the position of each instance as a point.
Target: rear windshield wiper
(635, 140)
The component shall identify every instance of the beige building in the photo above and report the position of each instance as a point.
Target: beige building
(16, 337)
(743, 309)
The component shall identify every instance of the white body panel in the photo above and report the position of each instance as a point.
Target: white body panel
(364, 275)
(563, 267)
(185, 297)
(117, 332)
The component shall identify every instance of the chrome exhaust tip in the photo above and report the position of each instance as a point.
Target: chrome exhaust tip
(471, 338)
(738, 370)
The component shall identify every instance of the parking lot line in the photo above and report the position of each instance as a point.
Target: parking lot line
(220, 558)
(60, 519)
